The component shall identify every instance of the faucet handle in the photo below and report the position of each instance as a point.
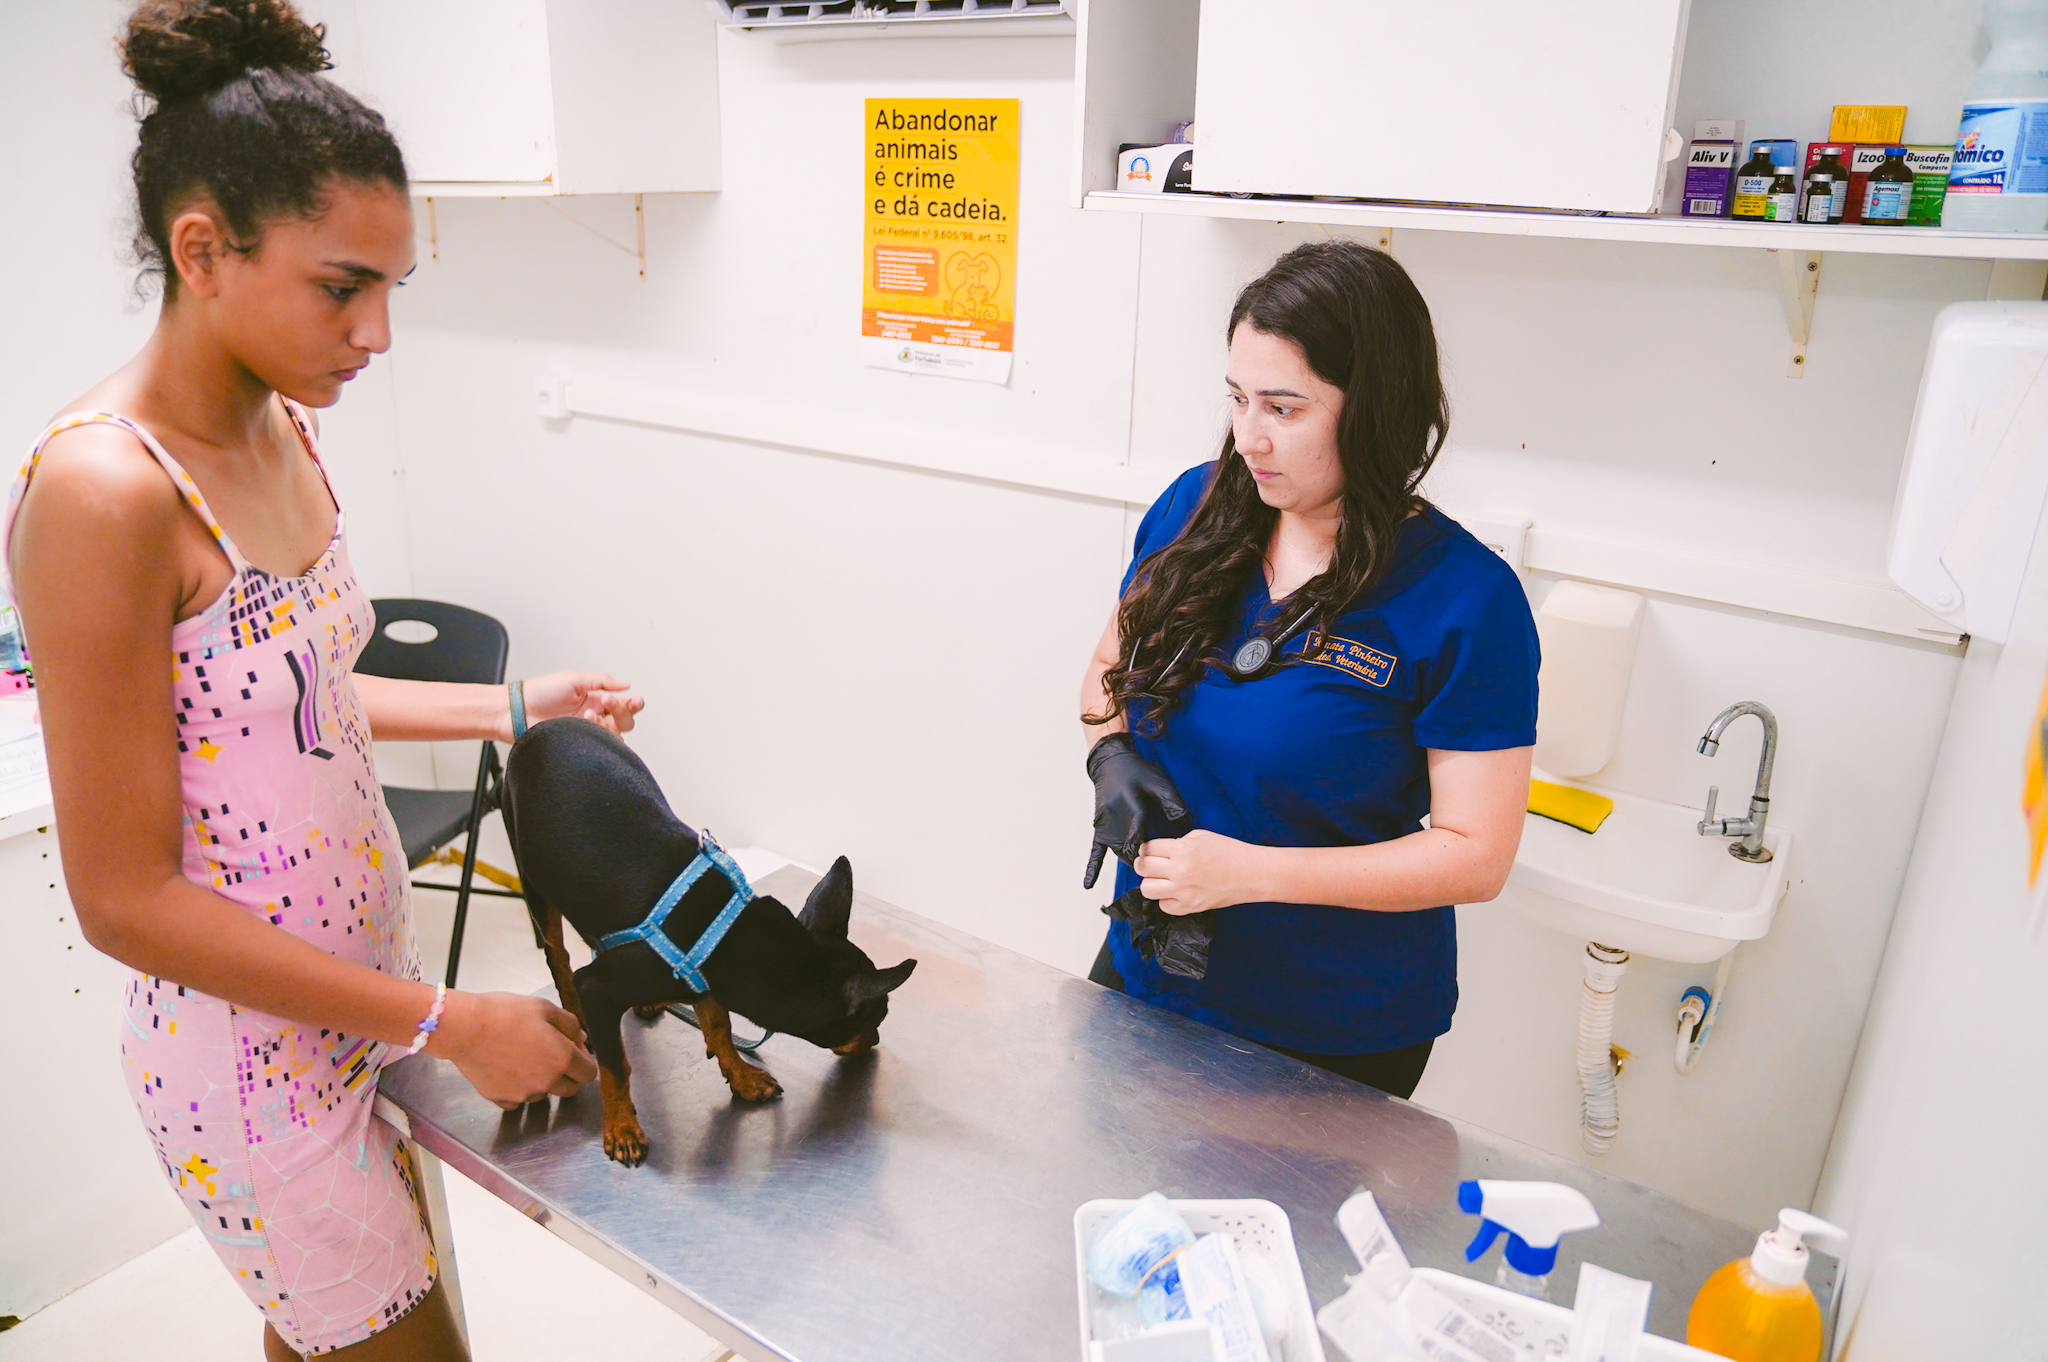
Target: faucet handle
(1708, 825)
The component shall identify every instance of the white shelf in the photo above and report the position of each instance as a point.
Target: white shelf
(484, 189)
(1789, 236)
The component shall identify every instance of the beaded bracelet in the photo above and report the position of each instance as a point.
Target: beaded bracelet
(433, 1020)
(517, 690)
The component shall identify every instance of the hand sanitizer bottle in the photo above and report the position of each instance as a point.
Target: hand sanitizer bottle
(1759, 1308)
(1534, 1215)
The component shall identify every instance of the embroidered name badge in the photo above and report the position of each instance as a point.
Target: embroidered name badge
(1369, 665)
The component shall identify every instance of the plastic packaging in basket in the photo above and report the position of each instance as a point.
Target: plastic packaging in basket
(1260, 1228)
(1540, 1328)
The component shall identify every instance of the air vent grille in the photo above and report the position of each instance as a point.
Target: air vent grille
(783, 14)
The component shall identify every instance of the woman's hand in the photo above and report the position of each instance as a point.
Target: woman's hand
(1132, 798)
(586, 695)
(513, 1049)
(1200, 871)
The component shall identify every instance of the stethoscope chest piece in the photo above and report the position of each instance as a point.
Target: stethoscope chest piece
(1252, 657)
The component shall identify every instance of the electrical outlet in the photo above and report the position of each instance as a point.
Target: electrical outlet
(551, 397)
(1507, 536)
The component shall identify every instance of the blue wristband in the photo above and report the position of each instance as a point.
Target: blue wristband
(518, 692)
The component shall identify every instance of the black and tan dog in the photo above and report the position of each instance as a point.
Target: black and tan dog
(597, 844)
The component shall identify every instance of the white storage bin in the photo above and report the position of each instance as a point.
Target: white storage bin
(1540, 1328)
(1260, 1228)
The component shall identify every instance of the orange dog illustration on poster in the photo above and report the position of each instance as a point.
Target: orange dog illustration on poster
(971, 284)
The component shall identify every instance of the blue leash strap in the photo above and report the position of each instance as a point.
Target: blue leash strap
(689, 965)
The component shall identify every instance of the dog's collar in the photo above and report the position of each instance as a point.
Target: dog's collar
(689, 965)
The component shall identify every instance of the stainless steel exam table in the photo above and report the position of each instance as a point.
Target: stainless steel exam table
(918, 1203)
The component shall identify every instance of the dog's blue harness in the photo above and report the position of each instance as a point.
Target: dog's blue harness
(689, 965)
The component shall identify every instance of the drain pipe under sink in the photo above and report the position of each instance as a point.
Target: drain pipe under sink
(1599, 1102)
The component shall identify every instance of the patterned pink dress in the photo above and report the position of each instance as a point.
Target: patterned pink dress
(262, 1125)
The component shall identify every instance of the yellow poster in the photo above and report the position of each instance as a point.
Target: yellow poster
(940, 248)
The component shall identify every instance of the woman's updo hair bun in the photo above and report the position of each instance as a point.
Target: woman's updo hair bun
(239, 116)
(180, 49)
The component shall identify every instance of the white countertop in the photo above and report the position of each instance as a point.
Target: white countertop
(27, 807)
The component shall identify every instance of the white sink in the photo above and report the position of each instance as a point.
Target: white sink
(1647, 882)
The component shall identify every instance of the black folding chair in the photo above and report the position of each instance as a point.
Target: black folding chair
(466, 646)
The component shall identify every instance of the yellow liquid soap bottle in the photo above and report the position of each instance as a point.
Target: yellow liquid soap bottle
(1759, 1308)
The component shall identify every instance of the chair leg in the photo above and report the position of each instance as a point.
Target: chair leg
(477, 807)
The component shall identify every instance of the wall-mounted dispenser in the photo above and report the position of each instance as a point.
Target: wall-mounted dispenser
(1976, 468)
(1589, 649)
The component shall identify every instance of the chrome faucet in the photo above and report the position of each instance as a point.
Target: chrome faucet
(1749, 831)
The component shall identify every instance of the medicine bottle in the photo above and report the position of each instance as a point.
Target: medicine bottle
(1785, 195)
(1753, 187)
(1888, 193)
(1819, 205)
(1830, 162)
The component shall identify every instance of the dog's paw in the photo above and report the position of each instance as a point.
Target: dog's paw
(653, 1013)
(750, 1084)
(625, 1142)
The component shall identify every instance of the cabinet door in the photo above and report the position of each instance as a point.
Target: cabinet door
(1561, 105)
(464, 83)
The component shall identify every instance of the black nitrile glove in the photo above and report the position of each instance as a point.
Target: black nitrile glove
(1135, 802)
(1178, 945)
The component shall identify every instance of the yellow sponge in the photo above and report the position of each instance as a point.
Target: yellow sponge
(1581, 809)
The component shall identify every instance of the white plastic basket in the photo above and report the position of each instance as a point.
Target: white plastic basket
(1540, 1328)
(1259, 1227)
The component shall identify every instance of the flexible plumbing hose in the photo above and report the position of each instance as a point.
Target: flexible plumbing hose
(1696, 1019)
(1599, 1101)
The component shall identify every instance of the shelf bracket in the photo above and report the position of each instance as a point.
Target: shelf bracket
(1798, 287)
(433, 232)
(1379, 238)
(638, 250)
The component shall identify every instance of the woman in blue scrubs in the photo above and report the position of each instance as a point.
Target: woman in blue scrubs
(1307, 661)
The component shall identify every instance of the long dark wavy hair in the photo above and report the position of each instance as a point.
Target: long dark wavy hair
(1363, 327)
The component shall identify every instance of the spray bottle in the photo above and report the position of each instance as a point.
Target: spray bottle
(1535, 1216)
(1759, 1308)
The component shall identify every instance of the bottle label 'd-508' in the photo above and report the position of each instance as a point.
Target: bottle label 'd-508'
(1752, 195)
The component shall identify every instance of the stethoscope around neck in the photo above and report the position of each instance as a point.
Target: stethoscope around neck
(1254, 657)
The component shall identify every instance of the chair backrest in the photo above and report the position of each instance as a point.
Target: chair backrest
(467, 645)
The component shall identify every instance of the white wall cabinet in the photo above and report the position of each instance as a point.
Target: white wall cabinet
(539, 97)
(1561, 106)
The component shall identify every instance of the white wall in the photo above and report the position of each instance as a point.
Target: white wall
(838, 659)
(1936, 1168)
(844, 658)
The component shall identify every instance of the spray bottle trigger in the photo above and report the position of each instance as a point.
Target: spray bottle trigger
(1488, 1232)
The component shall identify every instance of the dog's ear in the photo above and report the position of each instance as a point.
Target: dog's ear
(827, 909)
(871, 984)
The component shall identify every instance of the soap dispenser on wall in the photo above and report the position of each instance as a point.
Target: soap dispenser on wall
(1589, 638)
(1976, 470)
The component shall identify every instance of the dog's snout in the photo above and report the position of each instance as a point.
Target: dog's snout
(859, 1045)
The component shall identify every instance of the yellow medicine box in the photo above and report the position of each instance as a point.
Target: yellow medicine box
(1868, 123)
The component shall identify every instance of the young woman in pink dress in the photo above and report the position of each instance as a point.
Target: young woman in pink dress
(181, 568)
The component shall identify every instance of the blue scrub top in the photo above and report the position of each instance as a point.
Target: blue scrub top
(1331, 752)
